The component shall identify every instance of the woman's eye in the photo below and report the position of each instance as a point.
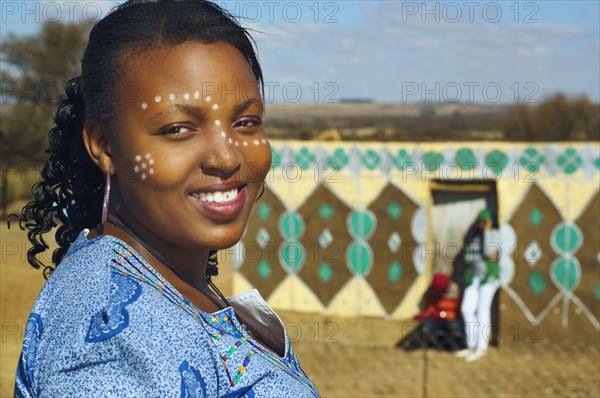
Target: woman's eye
(249, 122)
(176, 130)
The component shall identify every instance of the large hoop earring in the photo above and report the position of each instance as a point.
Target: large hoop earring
(262, 191)
(106, 197)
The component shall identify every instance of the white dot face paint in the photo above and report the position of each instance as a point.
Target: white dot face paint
(256, 142)
(186, 96)
(223, 134)
(218, 122)
(157, 98)
(143, 167)
(215, 107)
(207, 99)
(264, 140)
(245, 143)
(172, 97)
(144, 106)
(237, 143)
(197, 95)
(230, 141)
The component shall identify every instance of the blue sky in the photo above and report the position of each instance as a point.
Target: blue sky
(401, 51)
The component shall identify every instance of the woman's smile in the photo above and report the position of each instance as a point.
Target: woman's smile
(220, 202)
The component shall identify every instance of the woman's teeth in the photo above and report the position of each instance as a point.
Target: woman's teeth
(217, 196)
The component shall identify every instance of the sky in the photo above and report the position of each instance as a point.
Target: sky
(398, 51)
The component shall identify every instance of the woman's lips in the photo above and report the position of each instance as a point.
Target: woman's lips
(224, 203)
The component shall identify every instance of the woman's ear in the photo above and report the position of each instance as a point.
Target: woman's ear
(97, 142)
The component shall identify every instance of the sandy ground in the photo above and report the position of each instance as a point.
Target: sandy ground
(354, 358)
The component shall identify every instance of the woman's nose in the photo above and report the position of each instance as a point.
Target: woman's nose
(224, 156)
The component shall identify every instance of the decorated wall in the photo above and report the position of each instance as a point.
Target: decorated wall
(348, 229)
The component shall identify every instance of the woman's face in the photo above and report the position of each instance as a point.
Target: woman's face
(190, 149)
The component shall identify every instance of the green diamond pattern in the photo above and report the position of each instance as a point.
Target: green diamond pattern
(597, 294)
(433, 160)
(371, 159)
(338, 159)
(264, 270)
(305, 158)
(569, 161)
(532, 159)
(536, 282)
(597, 162)
(394, 210)
(536, 217)
(325, 272)
(263, 211)
(465, 159)
(394, 271)
(291, 225)
(402, 159)
(326, 211)
(496, 160)
(360, 258)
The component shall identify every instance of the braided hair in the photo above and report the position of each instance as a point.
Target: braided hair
(71, 188)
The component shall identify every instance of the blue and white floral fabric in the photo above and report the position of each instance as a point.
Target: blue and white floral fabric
(106, 324)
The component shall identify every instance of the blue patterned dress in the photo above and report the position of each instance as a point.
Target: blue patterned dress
(106, 324)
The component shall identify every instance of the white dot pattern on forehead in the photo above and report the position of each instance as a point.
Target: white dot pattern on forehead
(144, 106)
(158, 98)
(264, 140)
(197, 95)
(172, 97)
(218, 122)
(186, 96)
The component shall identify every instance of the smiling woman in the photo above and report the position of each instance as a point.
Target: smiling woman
(157, 157)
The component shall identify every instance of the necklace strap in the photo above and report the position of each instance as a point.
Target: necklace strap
(164, 261)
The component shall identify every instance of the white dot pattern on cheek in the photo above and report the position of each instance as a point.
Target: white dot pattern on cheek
(223, 134)
(218, 122)
(144, 167)
(144, 106)
(158, 98)
(215, 107)
(230, 141)
(197, 95)
(245, 143)
(207, 99)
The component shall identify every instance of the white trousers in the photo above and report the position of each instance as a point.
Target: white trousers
(476, 310)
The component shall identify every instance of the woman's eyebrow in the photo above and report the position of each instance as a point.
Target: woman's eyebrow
(241, 107)
(182, 108)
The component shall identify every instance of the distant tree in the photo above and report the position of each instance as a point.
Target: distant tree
(555, 118)
(33, 72)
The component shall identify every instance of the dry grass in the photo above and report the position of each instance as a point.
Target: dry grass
(353, 357)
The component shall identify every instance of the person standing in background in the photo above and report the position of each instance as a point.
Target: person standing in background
(482, 280)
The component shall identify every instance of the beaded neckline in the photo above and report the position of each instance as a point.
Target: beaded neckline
(126, 261)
